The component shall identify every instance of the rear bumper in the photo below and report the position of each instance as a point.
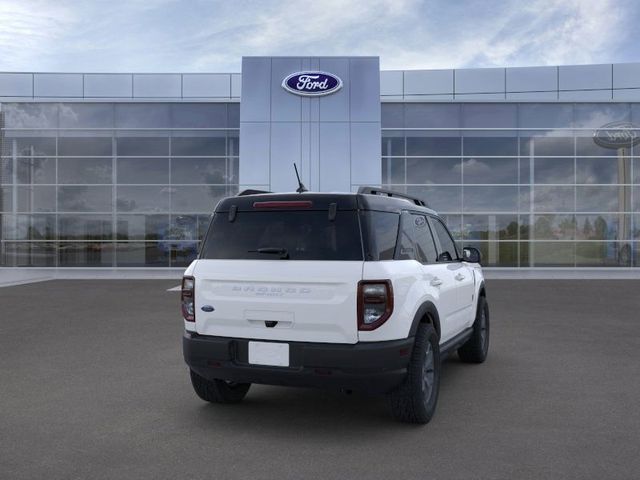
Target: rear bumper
(374, 367)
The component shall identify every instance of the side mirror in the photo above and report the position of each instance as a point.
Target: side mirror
(471, 255)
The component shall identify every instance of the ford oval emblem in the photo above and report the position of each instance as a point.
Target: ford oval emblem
(617, 135)
(312, 84)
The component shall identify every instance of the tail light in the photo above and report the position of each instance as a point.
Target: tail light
(188, 299)
(375, 303)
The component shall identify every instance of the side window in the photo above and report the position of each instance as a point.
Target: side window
(415, 241)
(382, 234)
(447, 247)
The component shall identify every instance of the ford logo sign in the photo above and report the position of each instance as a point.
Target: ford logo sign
(617, 135)
(312, 84)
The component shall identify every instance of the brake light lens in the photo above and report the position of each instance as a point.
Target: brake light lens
(284, 204)
(188, 299)
(375, 303)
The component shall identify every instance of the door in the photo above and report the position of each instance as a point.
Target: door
(462, 275)
(417, 243)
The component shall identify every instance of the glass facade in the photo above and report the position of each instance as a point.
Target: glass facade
(119, 184)
(524, 183)
(112, 184)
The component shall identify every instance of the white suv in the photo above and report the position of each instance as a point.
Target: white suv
(363, 292)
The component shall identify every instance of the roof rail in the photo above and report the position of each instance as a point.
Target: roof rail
(251, 191)
(391, 193)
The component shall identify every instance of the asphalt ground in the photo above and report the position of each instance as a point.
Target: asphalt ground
(93, 386)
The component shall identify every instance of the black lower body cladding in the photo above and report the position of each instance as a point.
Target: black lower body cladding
(372, 367)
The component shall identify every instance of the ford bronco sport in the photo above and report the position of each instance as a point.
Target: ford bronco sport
(358, 291)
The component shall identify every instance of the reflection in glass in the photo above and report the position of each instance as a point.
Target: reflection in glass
(392, 115)
(36, 254)
(433, 170)
(489, 115)
(490, 199)
(441, 199)
(393, 171)
(497, 254)
(78, 254)
(28, 227)
(29, 146)
(200, 170)
(554, 170)
(491, 227)
(490, 170)
(143, 199)
(546, 146)
(199, 115)
(553, 199)
(603, 170)
(554, 227)
(30, 115)
(86, 115)
(84, 199)
(36, 199)
(430, 115)
(552, 254)
(545, 115)
(198, 146)
(84, 227)
(142, 227)
(143, 170)
(603, 254)
(143, 115)
(143, 146)
(595, 115)
(490, 146)
(603, 198)
(84, 171)
(419, 146)
(197, 199)
(36, 170)
(393, 144)
(603, 226)
(84, 146)
(142, 254)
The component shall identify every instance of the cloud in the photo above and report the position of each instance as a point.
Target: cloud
(200, 35)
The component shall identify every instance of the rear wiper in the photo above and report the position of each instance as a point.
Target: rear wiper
(284, 254)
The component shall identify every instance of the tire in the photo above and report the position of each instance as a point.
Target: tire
(218, 391)
(414, 401)
(475, 349)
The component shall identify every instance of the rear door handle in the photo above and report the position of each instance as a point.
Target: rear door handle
(436, 282)
(459, 277)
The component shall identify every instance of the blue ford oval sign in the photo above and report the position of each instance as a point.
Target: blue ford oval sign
(312, 84)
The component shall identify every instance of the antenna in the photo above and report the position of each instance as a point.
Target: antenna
(301, 188)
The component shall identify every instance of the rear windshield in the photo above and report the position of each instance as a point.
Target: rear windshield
(287, 235)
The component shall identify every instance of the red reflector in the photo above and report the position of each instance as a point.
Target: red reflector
(284, 204)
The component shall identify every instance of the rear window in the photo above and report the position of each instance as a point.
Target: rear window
(292, 235)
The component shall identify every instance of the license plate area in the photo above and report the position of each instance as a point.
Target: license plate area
(269, 353)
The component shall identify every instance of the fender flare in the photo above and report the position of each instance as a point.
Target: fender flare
(426, 308)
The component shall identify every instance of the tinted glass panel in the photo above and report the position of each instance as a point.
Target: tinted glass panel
(488, 115)
(433, 146)
(200, 170)
(603, 170)
(554, 227)
(447, 245)
(554, 199)
(38, 254)
(382, 234)
(85, 227)
(197, 199)
(302, 235)
(36, 199)
(603, 227)
(434, 170)
(80, 254)
(441, 199)
(198, 146)
(490, 199)
(31, 146)
(142, 227)
(392, 115)
(603, 254)
(490, 170)
(36, 170)
(28, 227)
(546, 146)
(86, 115)
(490, 146)
(84, 146)
(143, 146)
(432, 116)
(545, 115)
(142, 254)
(490, 227)
(553, 170)
(601, 198)
(552, 254)
(143, 199)
(393, 170)
(197, 115)
(393, 145)
(84, 170)
(143, 170)
(84, 199)
(142, 115)
(497, 254)
(30, 115)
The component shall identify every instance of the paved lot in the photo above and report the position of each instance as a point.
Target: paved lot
(92, 386)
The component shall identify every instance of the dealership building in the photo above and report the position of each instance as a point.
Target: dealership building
(536, 166)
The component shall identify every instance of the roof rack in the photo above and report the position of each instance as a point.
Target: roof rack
(391, 193)
(251, 191)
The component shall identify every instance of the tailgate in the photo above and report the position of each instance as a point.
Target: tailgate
(305, 300)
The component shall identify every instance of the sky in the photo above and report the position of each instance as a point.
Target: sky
(212, 35)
